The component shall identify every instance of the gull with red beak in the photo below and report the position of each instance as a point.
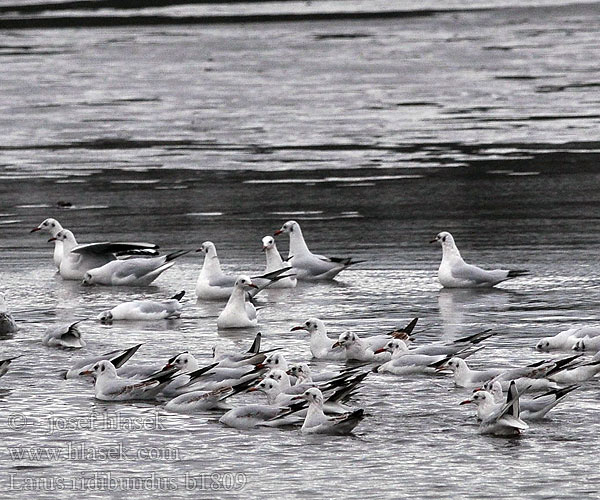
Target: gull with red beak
(321, 346)
(140, 271)
(358, 349)
(239, 313)
(499, 420)
(316, 422)
(53, 227)
(214, 284)
(531, 409)
(110, 387)
(454, 272)
(405, 361)
(309, 266)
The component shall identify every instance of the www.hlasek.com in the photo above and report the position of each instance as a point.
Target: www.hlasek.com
(94, 421)
(83, 451)
(107, 481)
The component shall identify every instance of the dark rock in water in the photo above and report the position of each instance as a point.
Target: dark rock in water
(64, 204)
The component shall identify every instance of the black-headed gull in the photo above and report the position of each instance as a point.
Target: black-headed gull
(65, 335)
(404, 361)
(454, 272)
(280, 393)
(239, 312)
(140, 271)
(321, 346)
(7, 322)
(358, 349)
(208, 377)
(316, 422)
(118, 358)
(214, 284)
(577, 372)
(144, 310)
(309, 266)
(531, 409)
(53, 227)
(275, 263)
(110, 387)
(5, 363)
(566, 339)
(197, 401)
(257, 415)
(529, 377)
(587, 343)
(499, 420)
(78, 259)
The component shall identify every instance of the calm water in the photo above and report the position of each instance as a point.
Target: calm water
(375, 135)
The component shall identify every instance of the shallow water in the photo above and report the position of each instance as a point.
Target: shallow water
(478, 123)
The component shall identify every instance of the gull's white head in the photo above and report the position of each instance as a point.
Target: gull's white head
(455, 364)
(88, 278)
(301, 371)
(64, 235)
(278, 376)
(266, 386)
(479, 398)
(394, 345)
(313, 395)
(346, 339)
(184, 362)
(580, 344)
(275, 361)
(51, 226)
(208, 248)
(244, 282)
(104, 316)
(102, 368)
(268, 243)
(290, 226)
(444, 238)
(544, 344)
(311, 325)
(493, 387)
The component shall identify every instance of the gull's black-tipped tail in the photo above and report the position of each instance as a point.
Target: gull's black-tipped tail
(179, 296)
(122, 358)
(255, 348)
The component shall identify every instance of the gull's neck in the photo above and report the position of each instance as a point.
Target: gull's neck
(274, 261)
(450, 251)
(399, 351)
(297, 243)
(238, 296)
(69, 244)
(211, 265)
(314, 414)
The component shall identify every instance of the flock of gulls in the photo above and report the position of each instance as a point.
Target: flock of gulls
(294, 395)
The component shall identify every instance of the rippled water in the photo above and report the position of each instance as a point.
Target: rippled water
(375, 136)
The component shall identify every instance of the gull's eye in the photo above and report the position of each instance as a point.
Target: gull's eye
(444, 238)
(102, 369)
